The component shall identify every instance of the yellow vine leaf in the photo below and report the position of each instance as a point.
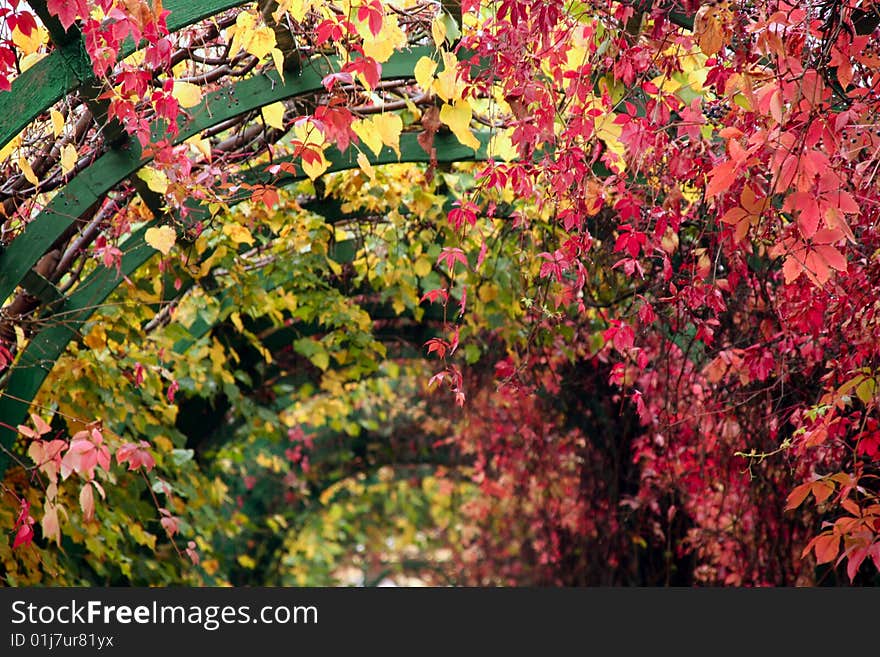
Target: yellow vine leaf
(186, 93)
(501, 146)
(241, 33)
(458, 118)
(383, 45)
(438, 31)
(447, 85)
(297, 9)
(424, 72)
(261, 43)
(29, 174)
(364, 163)
(278, 61)
(422, 266)
(238, 234)
(314, 168)
(273, 115)
(57, 122)
(156, 180)
(13, 143)
(28, 44)
(366, 131)
(203, 146)
(389, 127)
(68, 158)
(161, 238)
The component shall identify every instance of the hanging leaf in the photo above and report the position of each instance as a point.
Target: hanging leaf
(458, 118)
(161, 239)
(273, 115)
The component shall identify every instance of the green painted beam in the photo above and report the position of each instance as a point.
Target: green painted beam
(51, 78)
(92, 184)
(38, 358)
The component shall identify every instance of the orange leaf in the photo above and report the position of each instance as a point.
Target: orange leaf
(826, 547)
(722, 177)
(797, 496)
(821, 491)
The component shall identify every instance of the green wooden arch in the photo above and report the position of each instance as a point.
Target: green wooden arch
(46, 346)
(66, 70)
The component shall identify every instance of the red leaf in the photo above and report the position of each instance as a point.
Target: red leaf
(723, 176)
(67, 11)
(24, 536)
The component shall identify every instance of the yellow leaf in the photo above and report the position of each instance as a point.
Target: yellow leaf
(186, 93)
(273, 115)
(424, 72)
(164, 444)
(296, 8)
(161, 239)
(241, 33)
(389, 127)
(488, 292)
(97, 338)
(246, 561)
(364, 163)
(367, 133)
(501, 146)
(28, 44)
(29, 174)
(438, 31)
(211, 260)
(203, 146)
(446, 85)
(238, 234)
(261, 43)
(20, 339)
(422, 266)
(278, 61)
(68, 158)
(458, 118)
(14, 143)
(29, 60)
(383, 45)
(156, 180)
(57, 122)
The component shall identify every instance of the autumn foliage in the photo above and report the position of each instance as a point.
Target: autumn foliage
(626, 334)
